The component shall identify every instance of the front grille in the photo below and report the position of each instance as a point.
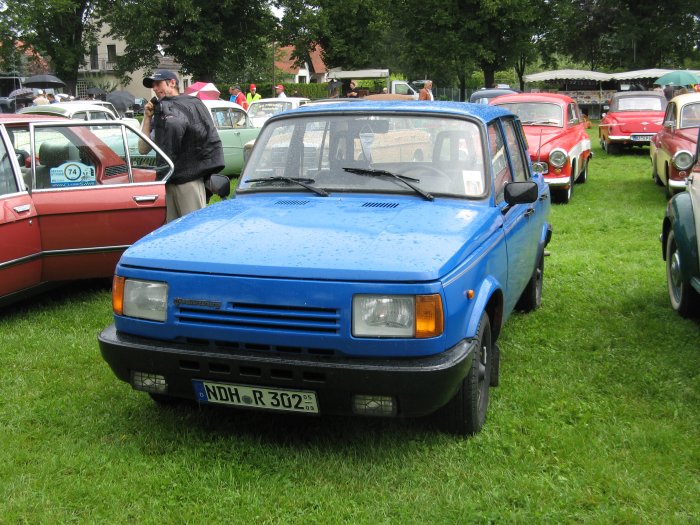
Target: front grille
(268, 317)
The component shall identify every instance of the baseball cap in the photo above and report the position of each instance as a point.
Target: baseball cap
(237, 87)
(252, 86)
(279, 86)
(160, 74)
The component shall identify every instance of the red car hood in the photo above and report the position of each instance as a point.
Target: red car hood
(542, 138)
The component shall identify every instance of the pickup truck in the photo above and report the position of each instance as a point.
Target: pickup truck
(366, 265)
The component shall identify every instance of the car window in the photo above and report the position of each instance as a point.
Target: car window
(572, 114)
(639, 104)
(79, 115)
(8, 183)
(670, 116)
(100, 115)
(70, 156)
(690, 116)
(499, 161)
(518, 158)
(345, 153)
(536, 113)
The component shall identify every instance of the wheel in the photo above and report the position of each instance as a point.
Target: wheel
(465, 413)
(531, 298)
(684, 299)
(438, 181)
(583, 176)
(564, 196)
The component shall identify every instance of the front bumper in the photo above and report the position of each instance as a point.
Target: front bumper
(419, 385)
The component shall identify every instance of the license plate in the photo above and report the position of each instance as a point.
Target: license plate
(256, 397)
(641, 138)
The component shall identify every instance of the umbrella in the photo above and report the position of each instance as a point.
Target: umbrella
(122, 100)
(679, 77)
(44, 81)
(24, 92)
(203, 91)
(96, 91)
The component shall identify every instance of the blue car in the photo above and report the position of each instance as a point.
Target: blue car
(367, 264)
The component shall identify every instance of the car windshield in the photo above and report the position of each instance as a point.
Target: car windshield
(267, 109)
(536, 113)
(640, 104)
(690, 115)
(391, 153)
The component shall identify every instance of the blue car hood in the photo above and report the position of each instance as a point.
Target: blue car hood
(352, 237)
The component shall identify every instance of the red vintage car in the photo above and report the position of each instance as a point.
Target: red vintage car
(559, 145)
(633, 119)
(672, 148)
(73, 196)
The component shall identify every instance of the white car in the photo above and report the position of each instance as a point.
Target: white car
(81, 110)
(261, 110)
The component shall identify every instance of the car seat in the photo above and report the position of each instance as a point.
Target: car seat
(52, 155)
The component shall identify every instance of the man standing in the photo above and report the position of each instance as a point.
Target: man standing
(252, 95)
(238, 97)
(182, 127)
(280, 91)
(427, 92)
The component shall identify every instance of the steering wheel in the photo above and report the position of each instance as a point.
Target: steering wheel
(439, 181)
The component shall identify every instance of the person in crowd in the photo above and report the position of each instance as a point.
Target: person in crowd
(238, 97)
(51, 98)
(280, 91)
(352, 90)
(253, 94)
(40, 98)
(182, 127)
(426, 93)
(586, 122)
(668, 91)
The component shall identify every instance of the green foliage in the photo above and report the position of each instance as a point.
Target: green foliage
(595, 420)
(200, 35)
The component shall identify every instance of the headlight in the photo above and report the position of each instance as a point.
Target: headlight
(140, 299)
(682, 160)
(557, 158)
(417, 316)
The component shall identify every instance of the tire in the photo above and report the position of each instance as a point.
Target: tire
(465, 413)
(531, 298)
(564, 196)
(684, 299)
(583, 176)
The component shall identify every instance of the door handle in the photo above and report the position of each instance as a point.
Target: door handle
(543, 197)
(529, 212)
(145, 198)
(23, 208)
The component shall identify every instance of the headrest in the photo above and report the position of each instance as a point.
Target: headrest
(52, 155)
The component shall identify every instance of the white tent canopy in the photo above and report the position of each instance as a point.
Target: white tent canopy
(639, 74)
(567, 74)
(339, 74)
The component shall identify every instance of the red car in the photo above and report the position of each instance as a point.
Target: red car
(73, 196)
(633, 119)
(673, 147)
(559, 145)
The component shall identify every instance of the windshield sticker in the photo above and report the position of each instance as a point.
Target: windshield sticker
(72, 174)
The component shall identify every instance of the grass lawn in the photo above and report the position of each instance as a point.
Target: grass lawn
(597, 419)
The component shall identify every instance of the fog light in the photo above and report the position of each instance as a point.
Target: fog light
(149, 382)
(369, 405)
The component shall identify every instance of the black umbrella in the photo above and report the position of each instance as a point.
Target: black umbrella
(24, 92)
(44, 81)
(96, 91)
(122, 100)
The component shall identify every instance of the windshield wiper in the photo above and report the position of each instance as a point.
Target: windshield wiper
(383, 173)
(306, 183)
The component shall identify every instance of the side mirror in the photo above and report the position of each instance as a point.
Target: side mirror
(520, 193)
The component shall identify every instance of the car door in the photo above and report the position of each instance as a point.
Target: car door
(663, 142)
(522, 222)
(235, 129)
(94, 194)
(20, 239)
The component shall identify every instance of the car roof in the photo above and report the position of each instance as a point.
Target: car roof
(18, 118)
(277, 99)
(482, 112)
(491, 93)
(637, 94)
(686, 98)
(63, 108)
(533, 97)
(222, 104)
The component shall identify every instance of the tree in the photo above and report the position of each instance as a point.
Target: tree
(200, 35)
(62, 30)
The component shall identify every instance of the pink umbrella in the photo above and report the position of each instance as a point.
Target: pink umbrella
(203, 91)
